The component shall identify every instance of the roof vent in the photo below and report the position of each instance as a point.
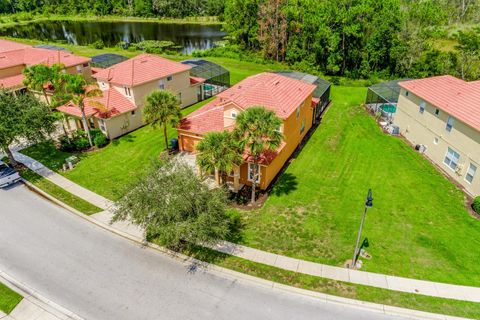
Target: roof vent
(143, 61)
(277, 83)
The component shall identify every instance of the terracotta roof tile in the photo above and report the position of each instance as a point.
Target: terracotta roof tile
(31, 56)
(114, 101)
(456, 97)
(12, 82)
(141, 69)
(6, 45)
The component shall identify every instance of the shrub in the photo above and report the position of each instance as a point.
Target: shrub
(100, 140)
(80, 143)
(66, 144)
(476, 204)
(98, 44)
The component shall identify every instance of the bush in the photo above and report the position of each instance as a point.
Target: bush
(476, 204)
(66, 144)
(100, 140)
(80, 143)
(98, 44)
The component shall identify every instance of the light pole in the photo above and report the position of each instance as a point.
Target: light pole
(368, 204)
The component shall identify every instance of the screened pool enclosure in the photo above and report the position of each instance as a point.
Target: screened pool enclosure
(383, 97)
(217, 78)
(107, 60)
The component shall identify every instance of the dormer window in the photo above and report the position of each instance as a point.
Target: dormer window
(128, 93)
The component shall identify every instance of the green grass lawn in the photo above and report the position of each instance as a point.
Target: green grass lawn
(418, 226)
(60, 193)
(8, 299)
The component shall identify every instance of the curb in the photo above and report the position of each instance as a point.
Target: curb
(37, 299)
(245, 278)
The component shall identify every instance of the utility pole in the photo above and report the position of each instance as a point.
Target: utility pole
(368, 204)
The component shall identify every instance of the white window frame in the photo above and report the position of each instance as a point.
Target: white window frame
(472, 169)
(298, 111)
(436, 141)
(128, 92)
(133, 113)
(79, 68)
(450, 124)
(233, 114)
(101, 124)
(250, 172)
(450, 158)
(422, 106)
(302, 127)
(161, 84)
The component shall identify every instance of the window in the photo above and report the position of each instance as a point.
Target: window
(103, 85)
(161, 84)
(437, 112)
(435, 140)
(251, 166)
(470, 173)
(102, 125)
(233, 114)
(450, 122)
(298, 111)
(132, 113)
(169, 78)
(302, 128)
(451, 158)
(422, 107)
(128, 93)
(406, 93)
(85, 65)
(279, 129)
(79, 69)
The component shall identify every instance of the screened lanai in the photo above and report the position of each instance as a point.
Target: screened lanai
(217, 78)
(321, 95)
(107, 60)
(383, 97)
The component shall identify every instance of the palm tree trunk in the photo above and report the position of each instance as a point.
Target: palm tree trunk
(85, 124)
(46, 97)
(9, 153)
(254, 182)
(165, 135)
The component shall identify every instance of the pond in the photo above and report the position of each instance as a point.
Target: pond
(189, 36)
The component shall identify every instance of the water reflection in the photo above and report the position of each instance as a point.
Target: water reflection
(189, 36)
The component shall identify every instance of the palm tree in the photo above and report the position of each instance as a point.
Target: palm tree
(73, 88)
(37, 77)
(257, 129)
(161, 108)
(219, 151)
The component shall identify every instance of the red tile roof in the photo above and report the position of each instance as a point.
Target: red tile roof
(15, 81)
(265, 157)
(141, 69)
(273, 91)
(206, 119)
(456, 97)
(195, 80)
(114, 101)
(31, 56)
(6, 45)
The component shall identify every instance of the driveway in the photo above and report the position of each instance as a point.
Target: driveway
(102, 276)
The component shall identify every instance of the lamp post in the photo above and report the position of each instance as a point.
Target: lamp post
(368, 204)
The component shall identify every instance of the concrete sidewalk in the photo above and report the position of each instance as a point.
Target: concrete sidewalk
(394, 283)
(63, 182)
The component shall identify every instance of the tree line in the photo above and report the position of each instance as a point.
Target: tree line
(358, 38)
(144, 8)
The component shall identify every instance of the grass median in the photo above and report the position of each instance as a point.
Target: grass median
(8, 299)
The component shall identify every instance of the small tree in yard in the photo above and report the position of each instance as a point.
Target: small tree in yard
(37, 77)
(173, 205)
(257, 129)
(162, 107)
(25, 118)
(476, 205)
(219, 151)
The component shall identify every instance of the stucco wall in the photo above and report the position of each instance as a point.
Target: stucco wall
(12, 71)
(430, 130)
(122, 124)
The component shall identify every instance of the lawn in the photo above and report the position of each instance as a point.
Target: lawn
(107, 171)
(8, 299)
(418, 226)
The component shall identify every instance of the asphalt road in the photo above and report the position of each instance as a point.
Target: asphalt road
(99, 275)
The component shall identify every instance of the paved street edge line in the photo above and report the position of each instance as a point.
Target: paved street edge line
(235, 275)
(36, 298)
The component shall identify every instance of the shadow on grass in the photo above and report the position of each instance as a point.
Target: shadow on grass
(285, 184)
(126, 138)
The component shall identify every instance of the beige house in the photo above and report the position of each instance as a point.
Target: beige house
(125, 86)
(441, 116)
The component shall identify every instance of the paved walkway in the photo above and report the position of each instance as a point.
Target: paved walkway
(434, 289)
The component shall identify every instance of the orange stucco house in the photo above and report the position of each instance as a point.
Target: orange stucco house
(290, 99)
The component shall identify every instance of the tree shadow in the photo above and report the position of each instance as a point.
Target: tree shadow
(129, 137)
(285, 184)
